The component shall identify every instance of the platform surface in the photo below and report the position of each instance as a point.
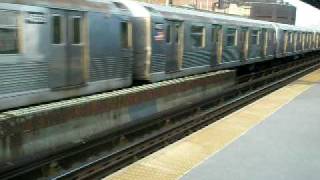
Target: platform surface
(276, 137)
(285, 146)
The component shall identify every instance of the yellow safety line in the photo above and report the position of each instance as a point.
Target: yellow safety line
(177, 159)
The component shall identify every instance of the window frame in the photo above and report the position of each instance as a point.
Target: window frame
(62, 27)
(80, 30)
(215, 33)
(270, 36)
(257, 40)
(128, 40)
(177, 33)
(202, 37)
(168, 31)
(17, 33)
(235, 37)
(290, 37)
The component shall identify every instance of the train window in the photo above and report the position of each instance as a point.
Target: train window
(126, 35)
(8, 33)
(289, 39)
(8, 41)
(198, 36)
(231, 37)
(168, 33)
(8, 18)
(159, 32)
(255, 37)
(56, 29)
(270, 36)
(177, 32)
(76, 24)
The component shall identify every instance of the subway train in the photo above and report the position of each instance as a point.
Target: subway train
(57, 49)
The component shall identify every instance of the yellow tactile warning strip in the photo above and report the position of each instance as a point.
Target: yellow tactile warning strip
(177, 159)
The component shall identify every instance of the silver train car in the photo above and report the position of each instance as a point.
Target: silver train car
(171, 42)
(179, 42)
(57, 49)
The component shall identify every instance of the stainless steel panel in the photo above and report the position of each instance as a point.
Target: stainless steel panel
(196, 59)
(27, 76)
(142, 47)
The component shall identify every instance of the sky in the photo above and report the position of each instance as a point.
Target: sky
(307, 15)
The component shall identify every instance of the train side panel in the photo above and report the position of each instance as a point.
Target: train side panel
(52, 54)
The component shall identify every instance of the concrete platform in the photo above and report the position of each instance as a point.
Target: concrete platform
(284, 146)
(276, 137)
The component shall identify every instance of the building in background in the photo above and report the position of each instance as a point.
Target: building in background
(267, 10)
(198, 4)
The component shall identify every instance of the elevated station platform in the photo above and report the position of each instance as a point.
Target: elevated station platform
(275, 137)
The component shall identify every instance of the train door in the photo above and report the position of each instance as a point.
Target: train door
(244, 42)
(264, 41)
(302, 41)
(174, 39)
(218, 43)
(66, 65)
(295, 41)
(285, 41)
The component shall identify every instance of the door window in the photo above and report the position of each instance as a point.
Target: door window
(177, 32)
(56, 29)
(76, 30)
(168, 33)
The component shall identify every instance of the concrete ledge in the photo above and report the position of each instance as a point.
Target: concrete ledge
(35, 132)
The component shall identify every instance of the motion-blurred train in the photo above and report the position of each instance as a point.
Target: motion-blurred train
(56, 49)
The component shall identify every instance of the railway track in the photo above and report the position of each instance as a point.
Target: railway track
(104, 156)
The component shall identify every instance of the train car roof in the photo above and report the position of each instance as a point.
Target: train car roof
(293, 28)
(82, 5)
(135, 9)
(180, 13)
